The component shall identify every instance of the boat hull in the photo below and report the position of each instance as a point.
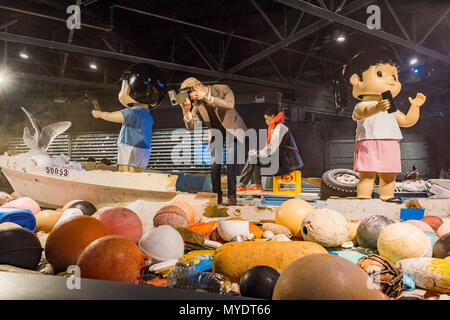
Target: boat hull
(52, 187)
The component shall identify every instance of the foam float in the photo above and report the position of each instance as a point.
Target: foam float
(428, 273)
(325, 227)
(234, 258)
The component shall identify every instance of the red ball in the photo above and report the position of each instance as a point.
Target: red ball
(122, 222)
(170, 215)
(67, 240)
(433, 221)
(113, 258)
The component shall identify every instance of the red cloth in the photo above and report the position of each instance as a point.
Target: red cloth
(278, 118)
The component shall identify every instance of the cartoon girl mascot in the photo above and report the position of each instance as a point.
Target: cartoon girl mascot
(373, 75)
(143, 89)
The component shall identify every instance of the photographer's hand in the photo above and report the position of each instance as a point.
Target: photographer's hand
(186, 107)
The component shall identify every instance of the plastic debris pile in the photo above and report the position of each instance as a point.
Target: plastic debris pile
(304, 253)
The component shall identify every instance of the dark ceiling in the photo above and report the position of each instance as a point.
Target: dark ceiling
(174, 31)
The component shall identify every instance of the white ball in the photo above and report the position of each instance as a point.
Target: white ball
(69, 213)
(402, 240)
(325, 227)
(444, 228)
(162, 243)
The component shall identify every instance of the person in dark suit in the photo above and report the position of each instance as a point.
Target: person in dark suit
(215, 106)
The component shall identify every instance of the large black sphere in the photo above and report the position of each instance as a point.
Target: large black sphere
(87, 208)
(369, 229)
(147, 84)
(258, 282)
(441, 248)
(20, 248)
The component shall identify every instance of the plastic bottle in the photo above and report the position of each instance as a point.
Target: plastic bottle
(183, 277)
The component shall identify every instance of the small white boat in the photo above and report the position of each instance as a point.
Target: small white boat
(53, 187)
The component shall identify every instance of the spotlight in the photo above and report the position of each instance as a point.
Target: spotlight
(93, 66)
(416, 70)
(24, 54)
(4, 78)
(340, 38)
(413, 61)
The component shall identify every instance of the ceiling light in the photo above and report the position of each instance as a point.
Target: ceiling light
(340, 38)
(416, 70)
(93, 66)
(413, 61)
(24, 54)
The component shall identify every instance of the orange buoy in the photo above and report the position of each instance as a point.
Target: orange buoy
(68, 239)
(113, 258)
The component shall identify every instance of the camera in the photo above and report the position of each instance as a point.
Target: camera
(179, 98)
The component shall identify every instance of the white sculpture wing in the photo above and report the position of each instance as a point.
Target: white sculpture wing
(50, 132)
(28, 139)
(33, 121)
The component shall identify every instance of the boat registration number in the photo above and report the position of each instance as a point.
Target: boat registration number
(57, 171)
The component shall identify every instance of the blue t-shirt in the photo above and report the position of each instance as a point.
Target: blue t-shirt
(137, 129)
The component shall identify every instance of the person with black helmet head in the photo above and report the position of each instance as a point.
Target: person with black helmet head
(143, 88)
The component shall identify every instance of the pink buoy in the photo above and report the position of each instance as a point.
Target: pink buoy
(188, 210)
(421, 225)
(24, 203)
(122, 222)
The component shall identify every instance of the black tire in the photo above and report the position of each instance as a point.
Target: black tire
(331, 187)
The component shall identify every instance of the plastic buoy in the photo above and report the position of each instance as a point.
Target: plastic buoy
(113, 258)
(86, 207)
(68, 239)
(291, 214)
(23, 217)
(122, 222)
(258, 282)
(325, 277)
(20, 248)
(369, 229)
(24, 203)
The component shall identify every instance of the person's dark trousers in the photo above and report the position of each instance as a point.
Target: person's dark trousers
(251, 172)
(230, 167)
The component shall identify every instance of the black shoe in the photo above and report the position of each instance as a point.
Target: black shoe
(232, 202)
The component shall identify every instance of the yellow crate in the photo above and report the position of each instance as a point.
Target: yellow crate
(289, 184)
